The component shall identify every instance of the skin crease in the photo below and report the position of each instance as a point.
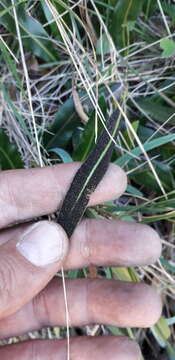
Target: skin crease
(100, 242)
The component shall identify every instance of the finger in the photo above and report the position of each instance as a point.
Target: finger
(28, 262)
(119, 243)
(27, 193)
(90, 301)
(105, 242)
(99, 348)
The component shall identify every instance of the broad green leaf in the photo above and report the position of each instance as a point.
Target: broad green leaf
(167, 152)
(145, 132)
(53, 26)
(168, 47)
(88, 138)
(157, 111)
(66, 120)
(62, 128)
(6, 10)
(87, 141)
(153, 144)
(103, 46)
(145, 176)
(77, 136)
(129, 136)
(134, 191)
(10, 63)
(34, 36)
(125, 11)
(125, 274)
(61, 7)
(161, 332)
(121, 274)
(9, 155)
(149, 8)
(65, 157)
(169, 9)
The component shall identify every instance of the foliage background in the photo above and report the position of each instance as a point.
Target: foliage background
(60, 63)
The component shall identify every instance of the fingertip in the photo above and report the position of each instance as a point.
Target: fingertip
(119, 178)
(149, 306)
(155, 243)
(141, 244)
(153, 298)
(152, 246)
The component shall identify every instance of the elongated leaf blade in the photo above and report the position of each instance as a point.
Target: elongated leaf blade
(9, 155)
(87, 178)
(35, 37)
(125, 11)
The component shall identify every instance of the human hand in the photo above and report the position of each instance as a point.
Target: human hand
(30, 256)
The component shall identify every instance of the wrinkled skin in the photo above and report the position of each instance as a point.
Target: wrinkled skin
(30, 296)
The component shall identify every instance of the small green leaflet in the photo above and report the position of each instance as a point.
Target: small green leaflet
(168, 47)
(65, 157)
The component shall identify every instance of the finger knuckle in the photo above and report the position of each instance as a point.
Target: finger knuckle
(7, 198)
(7, 280)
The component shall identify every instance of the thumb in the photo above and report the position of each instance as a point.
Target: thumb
(28, 261)
(43, 243)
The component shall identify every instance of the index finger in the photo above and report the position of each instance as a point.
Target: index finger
(27, 193)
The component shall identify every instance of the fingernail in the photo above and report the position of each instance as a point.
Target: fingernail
(43, 243)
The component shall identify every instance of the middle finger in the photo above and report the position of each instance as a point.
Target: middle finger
(98, 301)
